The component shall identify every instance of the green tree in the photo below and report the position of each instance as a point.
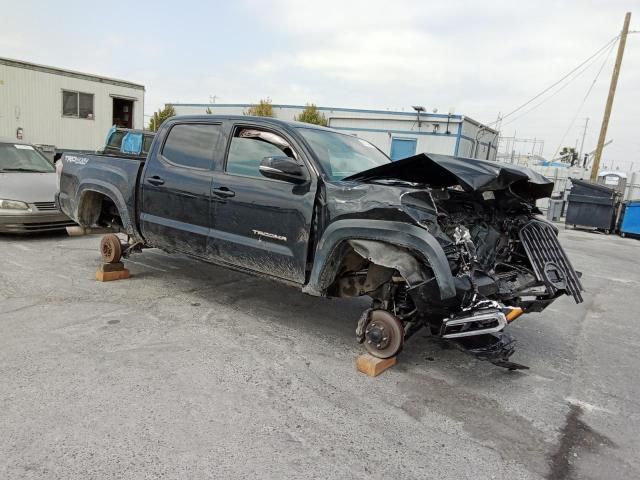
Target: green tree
(262, 109)
(160, 116)
(570, 154)
(311, 114)
(208, 111)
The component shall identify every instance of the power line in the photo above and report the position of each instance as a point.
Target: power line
(600, 50)
(584, 99)
(577, 75)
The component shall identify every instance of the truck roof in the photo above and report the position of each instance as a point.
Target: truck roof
(250, 118)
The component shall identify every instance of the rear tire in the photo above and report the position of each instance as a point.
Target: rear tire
(111, 248)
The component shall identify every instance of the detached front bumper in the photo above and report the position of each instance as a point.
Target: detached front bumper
(34, 221)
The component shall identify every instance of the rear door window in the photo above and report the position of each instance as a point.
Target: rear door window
(193, 145)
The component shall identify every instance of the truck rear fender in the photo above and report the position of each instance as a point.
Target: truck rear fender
(92, 196)
(408, 248)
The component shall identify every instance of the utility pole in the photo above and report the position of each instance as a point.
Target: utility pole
(612, 93)
(584, 134)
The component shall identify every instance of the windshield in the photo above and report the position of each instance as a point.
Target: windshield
(342, 155)
(22, 158)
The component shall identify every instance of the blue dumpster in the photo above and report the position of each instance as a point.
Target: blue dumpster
(631, 219)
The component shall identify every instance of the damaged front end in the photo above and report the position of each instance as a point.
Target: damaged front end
(503, 259)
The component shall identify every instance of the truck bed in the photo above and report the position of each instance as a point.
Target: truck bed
(100, 175)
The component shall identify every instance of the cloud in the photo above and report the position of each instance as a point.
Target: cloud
(484, 60)
(481, 58)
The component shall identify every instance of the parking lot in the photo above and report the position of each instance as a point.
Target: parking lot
(187, 370)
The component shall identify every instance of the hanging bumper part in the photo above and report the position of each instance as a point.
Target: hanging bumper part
(479, 322)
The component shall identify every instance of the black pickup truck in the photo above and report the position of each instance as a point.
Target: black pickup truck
(450, 244)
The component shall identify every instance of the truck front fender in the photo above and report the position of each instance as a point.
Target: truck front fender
(416, 240)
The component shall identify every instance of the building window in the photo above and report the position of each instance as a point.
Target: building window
(77, 104)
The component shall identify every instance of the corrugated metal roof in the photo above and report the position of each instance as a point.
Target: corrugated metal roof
(320, 108)
(428, 116)
(68, 73)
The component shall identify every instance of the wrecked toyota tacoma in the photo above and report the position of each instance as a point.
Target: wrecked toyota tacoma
(455, 246)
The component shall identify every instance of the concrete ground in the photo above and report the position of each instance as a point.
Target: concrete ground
(187, 370)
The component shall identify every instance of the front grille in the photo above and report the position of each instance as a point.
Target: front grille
(35, 227)
(546, 254)
(46, 206)
(47, 226)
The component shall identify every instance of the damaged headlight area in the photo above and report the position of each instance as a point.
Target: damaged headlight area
(503, 260)
(494, 259)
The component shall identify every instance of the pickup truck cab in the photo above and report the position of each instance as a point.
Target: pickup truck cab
(450, 244)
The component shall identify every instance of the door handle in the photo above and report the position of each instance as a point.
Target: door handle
(155, 180)
(223, 192)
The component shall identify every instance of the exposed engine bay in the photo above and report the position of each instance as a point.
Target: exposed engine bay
(505, 261)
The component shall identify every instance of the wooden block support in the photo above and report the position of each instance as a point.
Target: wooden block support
(108, 272)
(372, 366)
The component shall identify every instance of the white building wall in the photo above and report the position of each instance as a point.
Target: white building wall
(465, 148)
(32, 100)
(480, 141)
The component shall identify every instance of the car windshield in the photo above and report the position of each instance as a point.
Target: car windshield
(22, 158)
(342, 155)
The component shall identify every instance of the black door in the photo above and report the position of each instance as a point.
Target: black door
(258, 223)
(176, 189)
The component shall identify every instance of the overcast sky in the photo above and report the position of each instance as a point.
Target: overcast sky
(480, 58)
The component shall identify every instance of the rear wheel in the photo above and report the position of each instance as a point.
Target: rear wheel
(384, 334)
(111, 248)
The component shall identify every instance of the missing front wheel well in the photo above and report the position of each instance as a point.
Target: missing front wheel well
(366, 266)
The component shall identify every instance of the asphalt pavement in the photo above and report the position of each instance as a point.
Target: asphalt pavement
(187, 370)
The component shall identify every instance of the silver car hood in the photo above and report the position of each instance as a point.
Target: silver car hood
(28, 187)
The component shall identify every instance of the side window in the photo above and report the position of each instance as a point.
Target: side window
(192, 145)
(250, 146)
(146, 143)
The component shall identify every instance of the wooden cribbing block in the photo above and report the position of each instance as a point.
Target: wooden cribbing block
(372, 366)
(108, 272)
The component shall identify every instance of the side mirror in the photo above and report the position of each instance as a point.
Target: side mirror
(283, 168)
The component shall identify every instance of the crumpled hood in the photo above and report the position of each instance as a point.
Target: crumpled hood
(28, 187)
(439, 171)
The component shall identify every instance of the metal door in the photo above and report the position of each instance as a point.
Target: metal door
(176, 189)
(259, 223)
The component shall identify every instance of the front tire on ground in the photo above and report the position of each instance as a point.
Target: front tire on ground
(111, 248)
(383, 334)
